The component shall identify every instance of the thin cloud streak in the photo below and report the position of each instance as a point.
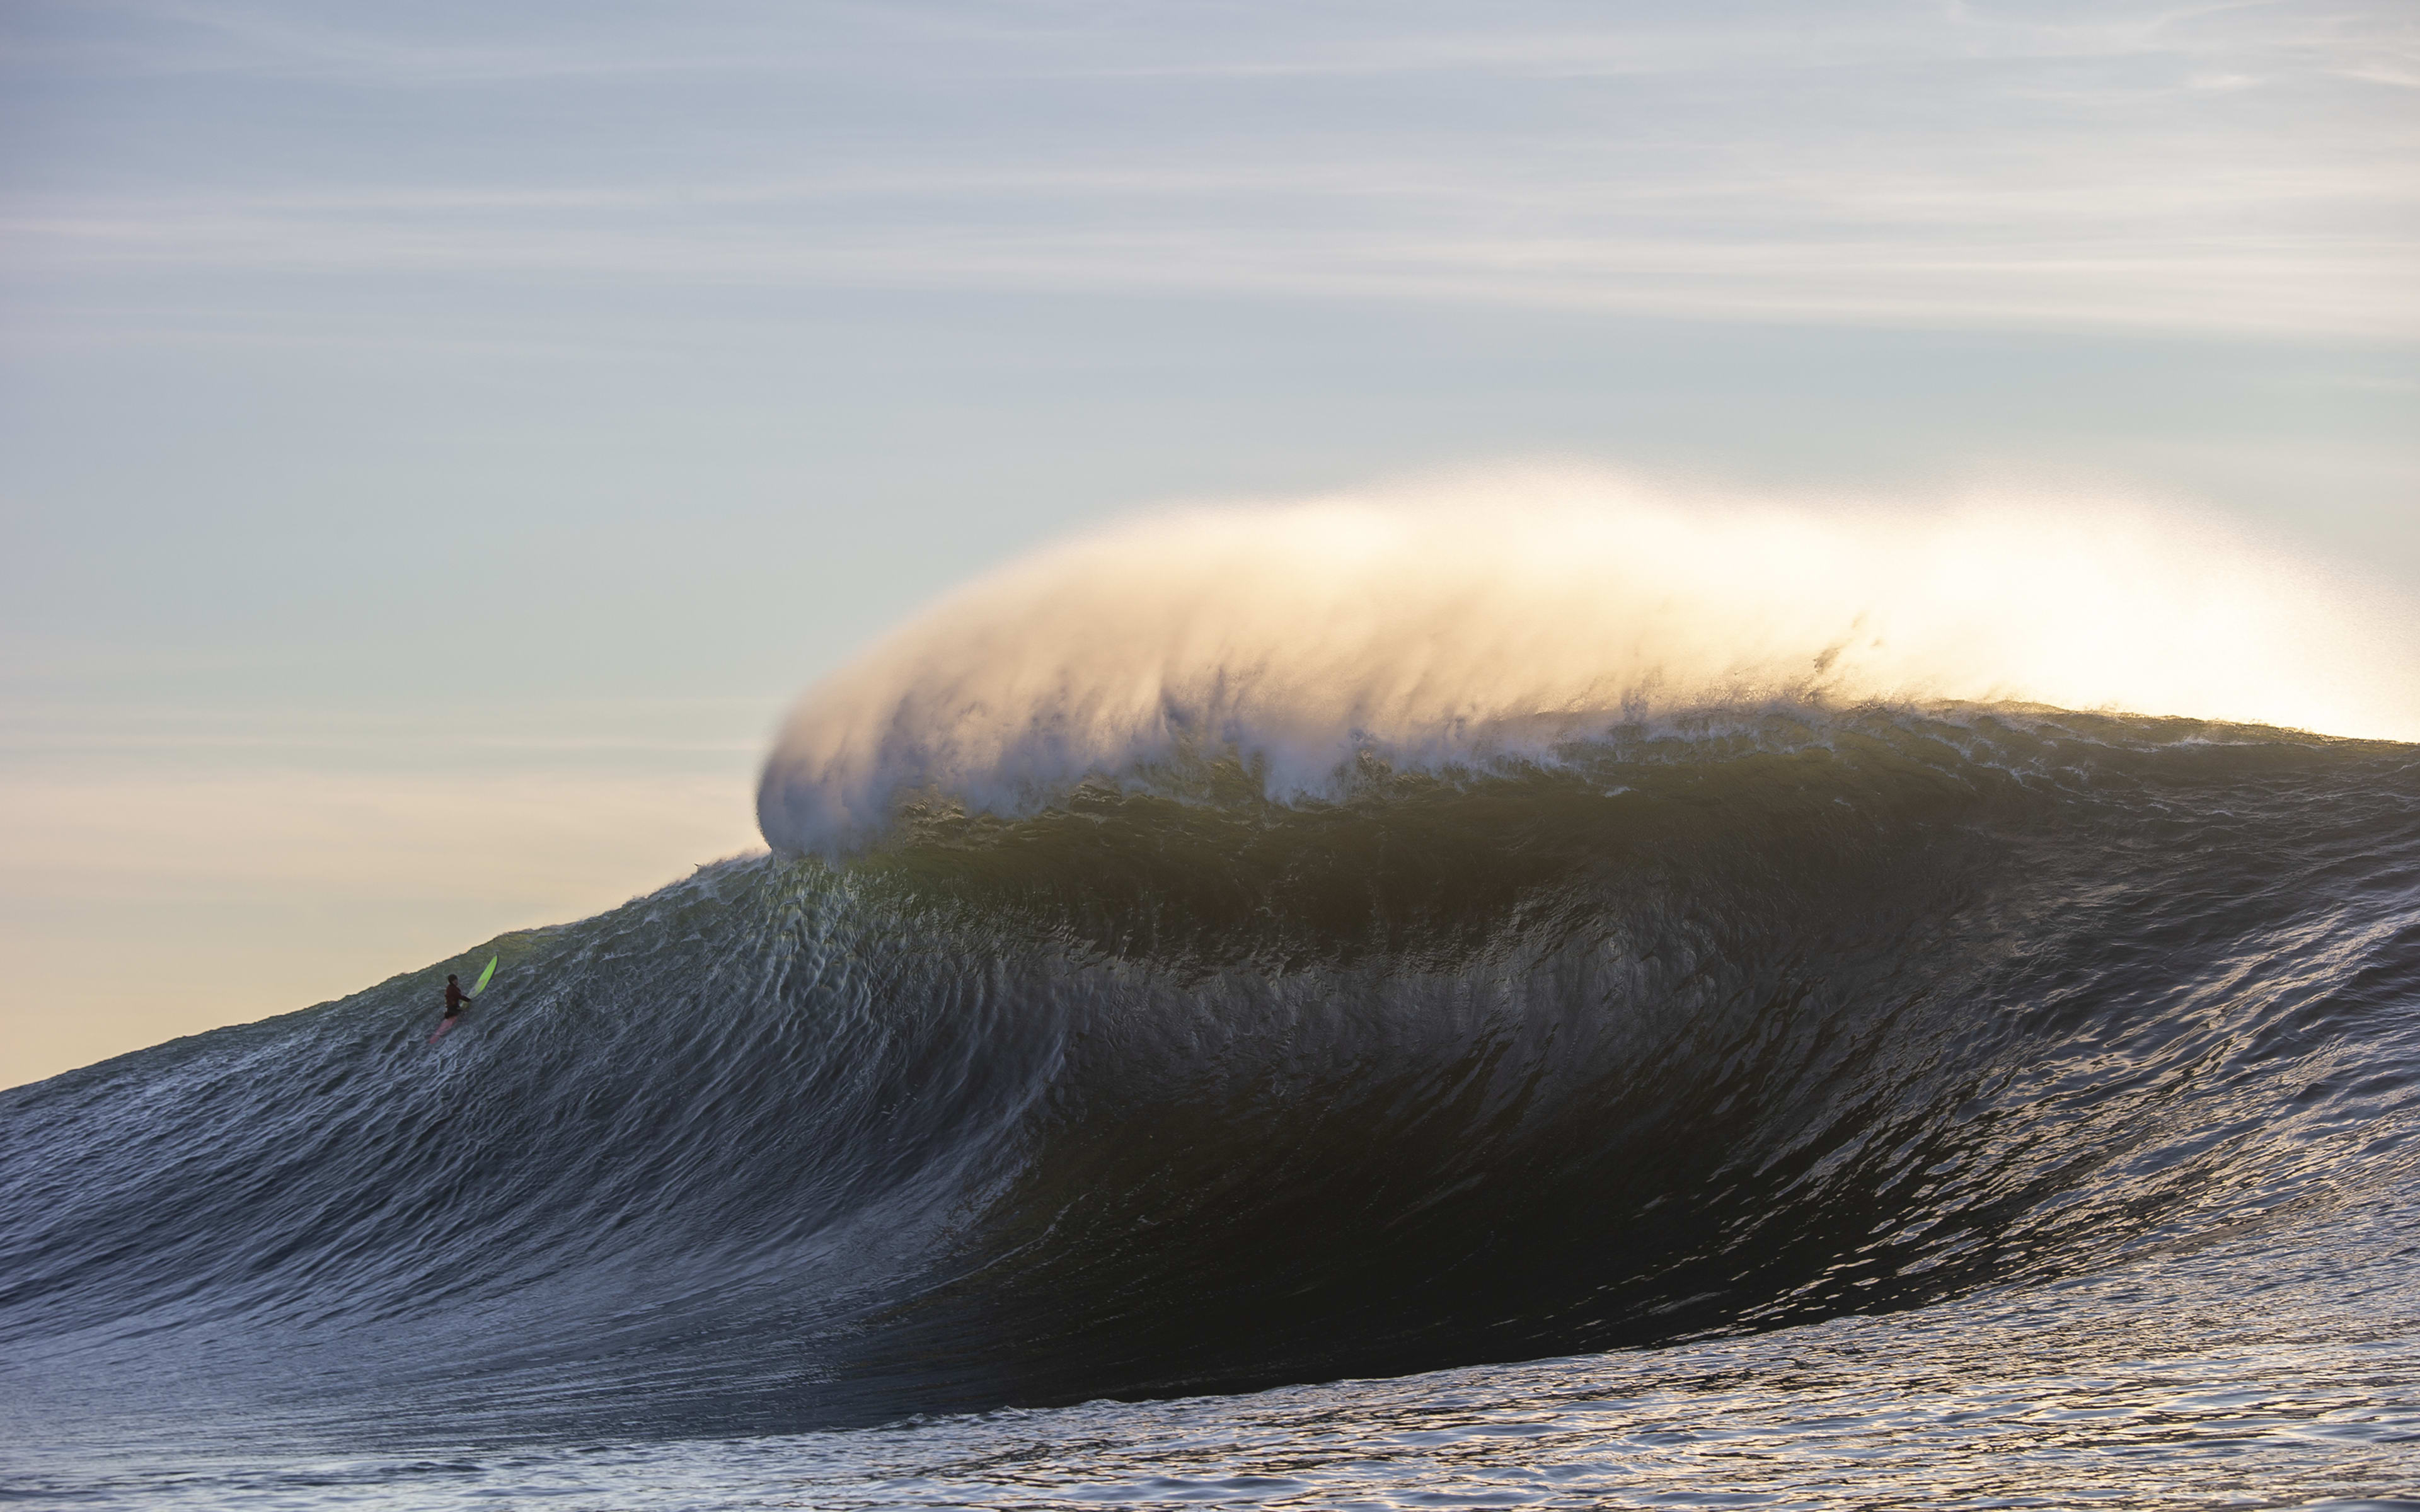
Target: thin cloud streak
(1343, 39)
(2181, 280)
(2161, 169)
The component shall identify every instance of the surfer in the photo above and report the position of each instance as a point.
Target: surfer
(456, 997)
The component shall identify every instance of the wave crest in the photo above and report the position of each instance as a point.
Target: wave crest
(1496, 618)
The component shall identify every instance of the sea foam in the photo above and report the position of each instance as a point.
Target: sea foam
(1492, 617)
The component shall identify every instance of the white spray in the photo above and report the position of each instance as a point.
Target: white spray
(1461, 622)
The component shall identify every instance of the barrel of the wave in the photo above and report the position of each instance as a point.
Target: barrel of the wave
(477, 988)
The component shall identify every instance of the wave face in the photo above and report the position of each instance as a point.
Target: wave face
(1709, 1024)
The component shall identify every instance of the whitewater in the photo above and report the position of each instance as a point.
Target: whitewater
(1489, 617)
(1537, 988)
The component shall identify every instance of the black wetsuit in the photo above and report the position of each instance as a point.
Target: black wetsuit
(454, 999)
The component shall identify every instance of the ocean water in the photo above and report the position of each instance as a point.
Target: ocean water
(1814, 1103)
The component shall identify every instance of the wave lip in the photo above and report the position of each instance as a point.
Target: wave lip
(1493, 619)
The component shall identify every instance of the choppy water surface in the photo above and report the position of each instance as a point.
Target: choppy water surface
(2213, 1381)
(1817, 1109)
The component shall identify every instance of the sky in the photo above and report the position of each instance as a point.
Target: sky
(437, 442)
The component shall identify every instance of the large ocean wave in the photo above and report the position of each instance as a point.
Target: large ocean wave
(1146, 1094)
(1180, 1018)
